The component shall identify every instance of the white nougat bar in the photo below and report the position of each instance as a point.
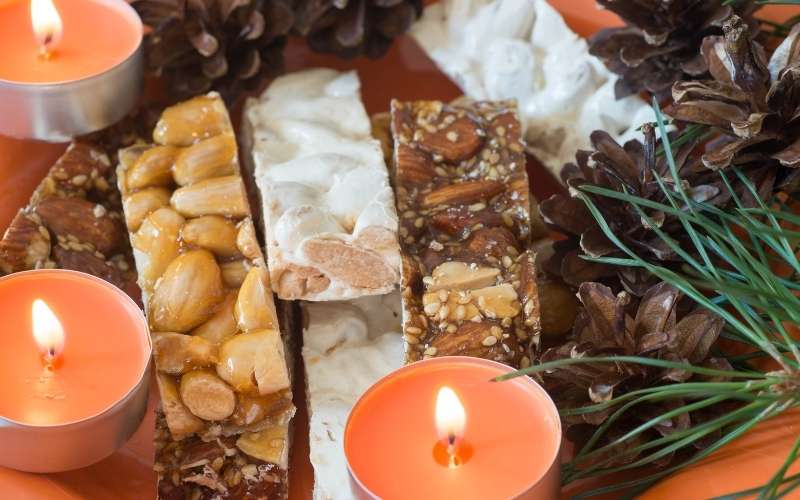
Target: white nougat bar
(523, 50)
(347, 347)
(329, 215)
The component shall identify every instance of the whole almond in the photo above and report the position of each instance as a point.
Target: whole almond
(212, 232)
(492, 241)
(187, 293)
(89, 263)
(180, 421)
(413, 166)
(142, 203)
(157, 240)
(456, 142)
(79, 161)
(81, 219)
(152, 168)
(213, 157)
(176, 353)
(25, 245)
(218, 196)
(463, 193)
(206, 395)
(191, 121)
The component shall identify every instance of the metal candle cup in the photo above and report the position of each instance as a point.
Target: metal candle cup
(56, 109)
(98, 410)
(509, 448)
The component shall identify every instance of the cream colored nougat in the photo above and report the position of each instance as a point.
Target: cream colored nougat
(347, 347)
(523, 50)
(329, 215)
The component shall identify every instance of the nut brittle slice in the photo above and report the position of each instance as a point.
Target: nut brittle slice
(468, 279)
(73, 221)
(221, 361)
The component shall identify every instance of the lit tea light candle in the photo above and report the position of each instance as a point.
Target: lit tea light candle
(69, 67)
(74, 366)
(441, 428)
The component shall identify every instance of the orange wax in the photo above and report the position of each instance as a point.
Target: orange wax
(105, 351)
(512, 433)
(97, 35)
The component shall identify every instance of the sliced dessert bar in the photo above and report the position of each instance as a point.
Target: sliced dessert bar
(73, 221)
(347, 347)
(469, 280)
(329, 216)
(224, 382)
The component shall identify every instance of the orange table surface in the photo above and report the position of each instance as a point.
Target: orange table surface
(405, 73)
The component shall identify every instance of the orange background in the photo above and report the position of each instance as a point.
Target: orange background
(405, 73)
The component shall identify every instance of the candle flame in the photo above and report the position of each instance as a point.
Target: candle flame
(46, 25)
(450, 416)
(47, 330)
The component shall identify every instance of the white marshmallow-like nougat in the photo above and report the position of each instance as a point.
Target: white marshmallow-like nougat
(329, 214)
(523, 50)
(347, 347)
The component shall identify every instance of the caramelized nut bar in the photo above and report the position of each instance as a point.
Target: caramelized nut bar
(329, 215)
(347, 347)
(223, 378)
(73, 221)
(469, 280)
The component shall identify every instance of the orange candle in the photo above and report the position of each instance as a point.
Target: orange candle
(74, 349)
(91, 37)
(68, 67)
(441, 428)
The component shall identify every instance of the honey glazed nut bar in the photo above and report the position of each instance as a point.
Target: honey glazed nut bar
(468, 278)
(73, 221)
(225, 388)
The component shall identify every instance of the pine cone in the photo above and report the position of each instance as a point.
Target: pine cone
(655, 326)
(630, 168)
(754, 102)
(350, 28)
(225, 45)
(661, 42)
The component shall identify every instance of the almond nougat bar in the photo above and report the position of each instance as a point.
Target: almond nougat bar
(225, 386)
(329, 216)
(73, 221)
(469, 280)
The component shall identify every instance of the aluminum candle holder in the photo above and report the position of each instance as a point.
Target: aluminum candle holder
(57, 109)
(75, 377)
(455, 433)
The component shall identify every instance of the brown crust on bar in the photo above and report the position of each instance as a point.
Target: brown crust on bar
(222, 365)
(73, 221)
(469, 280)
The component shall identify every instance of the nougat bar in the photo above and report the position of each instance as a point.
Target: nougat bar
(524, 49)
(347, 347)
(468, 279)
(223, 378)
(329, 215)
(73, 221)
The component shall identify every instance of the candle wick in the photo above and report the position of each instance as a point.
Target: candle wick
(452, 457)
(44, 49)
